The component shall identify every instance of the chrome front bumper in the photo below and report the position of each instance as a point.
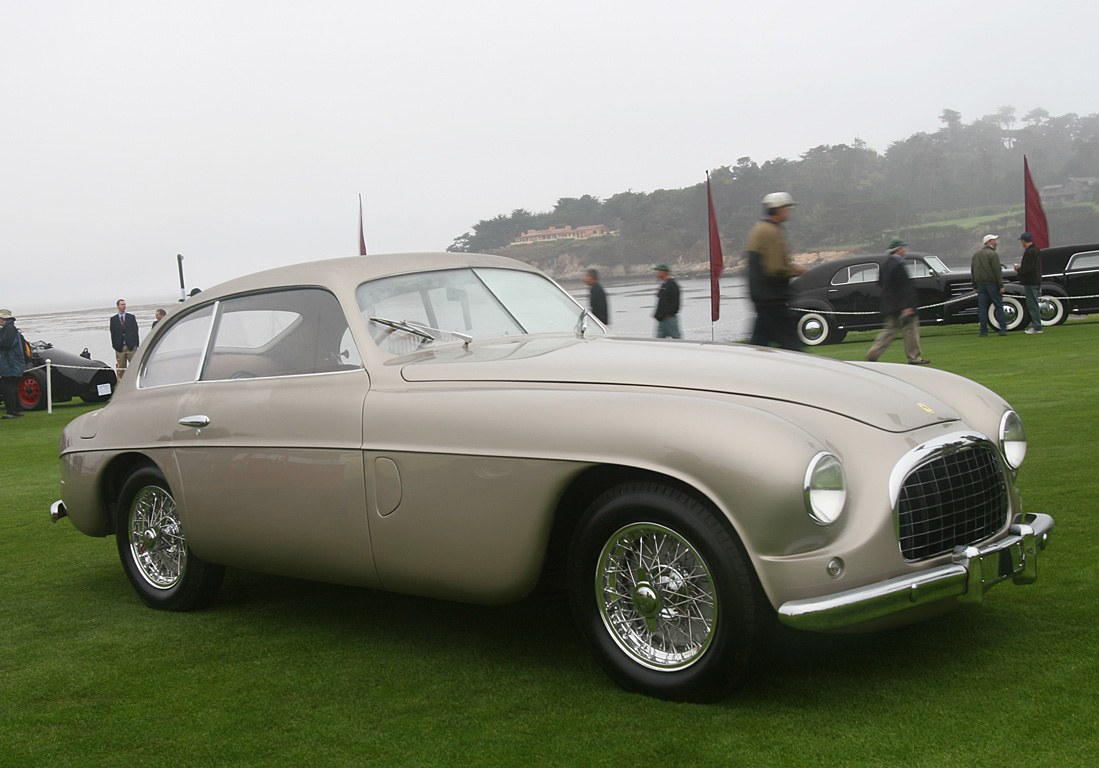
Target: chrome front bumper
(973, 572)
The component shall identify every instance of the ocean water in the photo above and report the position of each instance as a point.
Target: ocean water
(631, 308)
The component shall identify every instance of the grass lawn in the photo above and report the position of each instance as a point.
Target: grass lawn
(281, 672)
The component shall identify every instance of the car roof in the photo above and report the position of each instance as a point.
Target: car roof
(352, 270)
(1056, 259)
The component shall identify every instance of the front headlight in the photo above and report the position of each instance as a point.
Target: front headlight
(1012, 439)
(825, 489)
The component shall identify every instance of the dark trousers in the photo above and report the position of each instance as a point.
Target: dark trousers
(989, 293)
(9, 386)
(777, 325)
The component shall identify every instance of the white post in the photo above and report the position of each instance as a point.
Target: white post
(49, 386)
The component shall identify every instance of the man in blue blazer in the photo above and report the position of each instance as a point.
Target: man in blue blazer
(123, 336)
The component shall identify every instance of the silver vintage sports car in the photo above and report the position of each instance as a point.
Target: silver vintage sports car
(456, 426)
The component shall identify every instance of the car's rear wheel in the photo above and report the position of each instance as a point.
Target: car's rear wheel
(815, 329)
(665, 595)
(1014, 313)
(32, 391)
(154, 552)
(1052, 309)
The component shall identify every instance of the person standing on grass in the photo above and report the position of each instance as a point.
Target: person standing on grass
(988, 279)
(899, 307)
(597, 298)
(1029, 273)
(124, 336)
(667, 305)
(11, 364)
(769, 273)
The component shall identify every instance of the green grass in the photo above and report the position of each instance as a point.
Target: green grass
(288, 673)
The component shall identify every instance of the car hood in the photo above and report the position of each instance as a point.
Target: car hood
(859, 392)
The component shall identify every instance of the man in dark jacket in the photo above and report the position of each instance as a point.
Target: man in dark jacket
(667, 305)
(124, 336)
(11, 364)
(899, 307)
(597, 299)
(1029, 273)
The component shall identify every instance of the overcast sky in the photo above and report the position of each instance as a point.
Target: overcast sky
(240, 134)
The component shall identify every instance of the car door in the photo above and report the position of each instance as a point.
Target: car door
(1082, 280)
(929, 291)
(854, 289)
(268, 440)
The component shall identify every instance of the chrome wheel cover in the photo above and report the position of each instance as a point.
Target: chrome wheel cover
(812, 328)
(656, 596)
(1051, 309)
(157, 545)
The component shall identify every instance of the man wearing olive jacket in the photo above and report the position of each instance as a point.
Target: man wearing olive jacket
(988, 279)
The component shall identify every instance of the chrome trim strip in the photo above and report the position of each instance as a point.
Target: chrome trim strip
(973, 572)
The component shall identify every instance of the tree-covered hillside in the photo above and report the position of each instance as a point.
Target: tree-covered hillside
(938, 190)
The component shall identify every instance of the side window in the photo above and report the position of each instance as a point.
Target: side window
(1080, 261)
(178, 352)
(841, 277)
(864, 273)
(917, 269)
(283, 333)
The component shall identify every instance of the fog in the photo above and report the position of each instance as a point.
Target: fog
(240, 134)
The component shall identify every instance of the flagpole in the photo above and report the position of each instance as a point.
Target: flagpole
(362, 238)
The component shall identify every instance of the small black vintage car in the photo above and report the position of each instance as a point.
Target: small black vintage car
(1070, 282)
(71, 376)
(844, 295)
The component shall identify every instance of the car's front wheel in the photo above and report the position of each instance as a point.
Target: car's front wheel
(815, 328)
(664, 594)
(154, 552)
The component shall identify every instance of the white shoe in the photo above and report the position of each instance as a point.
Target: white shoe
(1031, 330)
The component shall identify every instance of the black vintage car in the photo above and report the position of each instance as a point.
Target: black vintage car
(844, 295)
(1070, 282)
(71, 376)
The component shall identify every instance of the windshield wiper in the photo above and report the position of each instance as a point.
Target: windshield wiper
(402, 325)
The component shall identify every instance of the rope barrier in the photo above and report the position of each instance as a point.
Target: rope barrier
(955, 300)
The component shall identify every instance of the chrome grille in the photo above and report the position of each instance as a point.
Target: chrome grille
(956, 499)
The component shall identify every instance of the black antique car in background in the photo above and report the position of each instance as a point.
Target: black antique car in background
(1070, 282)
(71, 376)
(844, 295)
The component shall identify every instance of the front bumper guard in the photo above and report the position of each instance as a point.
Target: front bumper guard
(973, 572)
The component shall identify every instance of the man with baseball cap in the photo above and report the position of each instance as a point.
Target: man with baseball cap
(1029, 273)
(988, 280)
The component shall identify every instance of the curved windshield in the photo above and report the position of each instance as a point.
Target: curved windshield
(408, 312)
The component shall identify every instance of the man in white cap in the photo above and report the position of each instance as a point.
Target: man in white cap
(988, 280)
(769, 273)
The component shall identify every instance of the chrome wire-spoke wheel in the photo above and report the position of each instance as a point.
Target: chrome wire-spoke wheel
(156, 542)
(656, 596)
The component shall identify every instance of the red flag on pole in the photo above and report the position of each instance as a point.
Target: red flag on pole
(717, 260)
(362, 239)
(1034, 218)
